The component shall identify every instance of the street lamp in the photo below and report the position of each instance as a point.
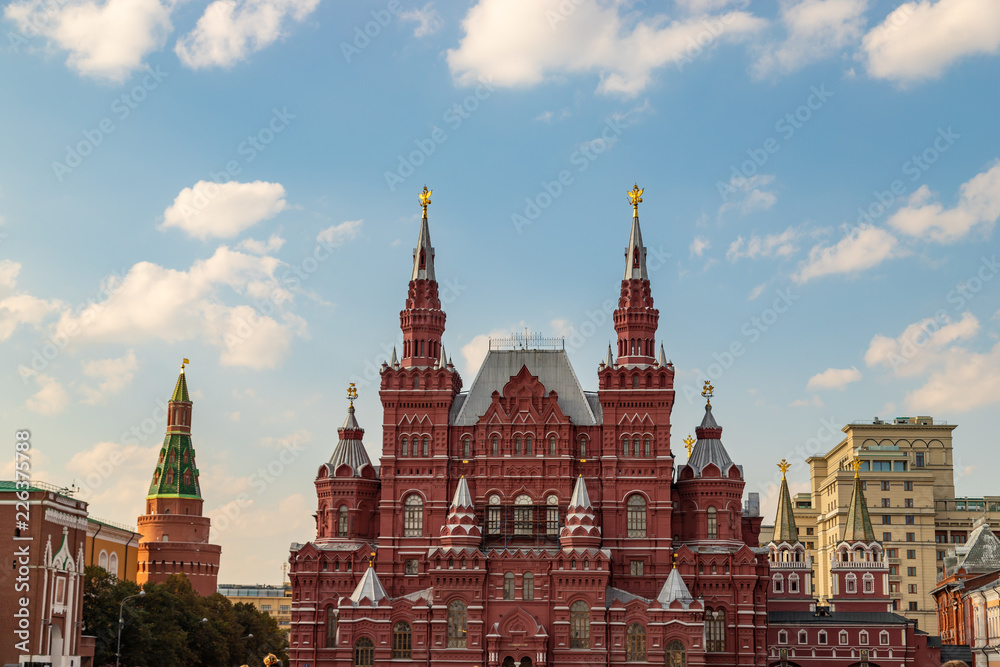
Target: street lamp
(121, 623)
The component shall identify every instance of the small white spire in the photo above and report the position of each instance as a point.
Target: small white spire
(610, 361)
(462, 496)
(663, 358)
(443, 361)
(423, 255)
(635, 254)
(394, 361)
(674, 588)
(369, 587)
(580, 498)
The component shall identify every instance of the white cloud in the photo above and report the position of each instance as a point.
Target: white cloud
(154, 303)
(814, 402)
(106, 40)
(834, 378)
(699, 246)
(816, 29)
(861, 248)
(751, 194)
(920, 40)
(526, 42)
(427, 20)
(114, 478)
(294, 440)
(51, 397)
(210, 209)
(978, 207)
(337, 235)
(757, 291)
(113, 375)
(474, 352)
(920, 345)
(966, 380)
(19, 308)
(273, 244)
(230, 30)
(770, 245)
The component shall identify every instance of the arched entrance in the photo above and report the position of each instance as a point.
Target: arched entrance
(510, 662)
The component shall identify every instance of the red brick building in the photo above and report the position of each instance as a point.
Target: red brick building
(525, 521)
(174, 532)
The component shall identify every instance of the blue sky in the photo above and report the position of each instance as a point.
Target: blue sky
(821, 177)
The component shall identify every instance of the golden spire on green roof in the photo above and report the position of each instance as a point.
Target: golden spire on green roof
(784, 523)
(859, 524)
(181, 388)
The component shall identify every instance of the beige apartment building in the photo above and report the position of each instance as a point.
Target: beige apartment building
(276, 601)
(908, 477)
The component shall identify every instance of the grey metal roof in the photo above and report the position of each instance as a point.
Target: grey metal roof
(709, 450)
(610, 361)
(423, 243)
(551, 367)
(350, 449)
(462, 496)
(580, 498)
(635, 245)
(369, 587)
(980, 554)
(612, 594)
(674, 588)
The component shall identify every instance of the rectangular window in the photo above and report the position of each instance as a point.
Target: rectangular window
(893, 570)
(911, 554)
(885, 486)
(892, 553)
(958, 538)
(909, 520)
(899, 466)
(907, 486)
(493, 520)
(895, 605)
(919, 460)
(886, 519)
(637, 568)
(886, 503)
(911, 537)
(913, 606)
(411, 566)
(941, 536)
(809, 545)
(887, 537)
(809, 531)
(908, 502)
(912, 588)
(552, 520)
(911, 571)
(893, 587)
(940, 555)
(265, 607)
(285, 608)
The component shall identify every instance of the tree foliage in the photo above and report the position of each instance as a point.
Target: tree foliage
(171, 625)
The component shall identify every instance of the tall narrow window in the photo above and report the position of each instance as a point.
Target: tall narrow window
(636, 516)
(427, 446)
(170, 476)
(625, 446)
(405, 448)
(495, 447)
(402, 640)
(331, 628)
(456, 624)
(342, 521)
(523, 515)
(583, 448)
(635, 643)
(647, 447)
(493, 515)
(715, 630)
(713, 523)
(364, 653)
(517, 446)
(552, 445)
(528, 586)
(508, 586)
(528, 442)
(416, 384)
(413, 516)
(466, 448)
(579, 625)
(552, 516)
(635, 447)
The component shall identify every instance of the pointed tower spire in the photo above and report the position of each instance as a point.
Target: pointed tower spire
(422, 321)
(859, 524)
(350, 449)
(662, 360)
(369, 588)
(709, 447)
(176, 474)
(784, 522)
(443, 360)
(461, 529)
(636, 318)
(393, 362)
(580, 531)
(674, 589)
(610, 361)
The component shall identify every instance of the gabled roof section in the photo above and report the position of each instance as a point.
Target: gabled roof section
(551, 367)
(859, 525)
(369, 587)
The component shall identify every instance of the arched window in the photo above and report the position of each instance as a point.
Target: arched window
(803, 637)
(493, 515)
(635, 643)
(496, 446)
(364, 653)
(843, 637)
(456, 624)
(427, 447)
(528, 586)
(113, 565)
(552, 445)
(821, 639)
(466, 447)
(647, 447)
(869, 582)
(331, 628)
(676, 656)
(713, 523)
(508, 586)
(782, 637)
(528, 442)
(342, 521)
(636, 518)
(523, 515)
(402, 640)
(552, 515)
(517, 446)
(883, 637)
(715, 630)
(413, 516)
(579, 625)
(635, 447)
(583, 448)
(102, 560)
(863, 638)
(793, 583)
(405, 449)
(851, 583)
(777, 583)
(625, 446)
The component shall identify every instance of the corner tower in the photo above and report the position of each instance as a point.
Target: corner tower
(174, 532)
(636, 318)
(422, 321)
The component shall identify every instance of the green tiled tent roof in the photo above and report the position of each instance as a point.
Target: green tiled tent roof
(859, 524)
(784, 524)
(176, 474)
(181, 389)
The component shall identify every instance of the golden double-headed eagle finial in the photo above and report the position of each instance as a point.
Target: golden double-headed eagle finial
(352, 394)
(689, 443)
(857, 465)
(635, 198)
(708, 391)
(425, 199)
(784, 465)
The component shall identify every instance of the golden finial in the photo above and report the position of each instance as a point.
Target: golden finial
(635, 198)
(857, 466)
(352, 394)
(425, 199)
(689, 443)
(371, 559)
(784, 465)
(185, 361)
(675, 560)
(708, 392)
